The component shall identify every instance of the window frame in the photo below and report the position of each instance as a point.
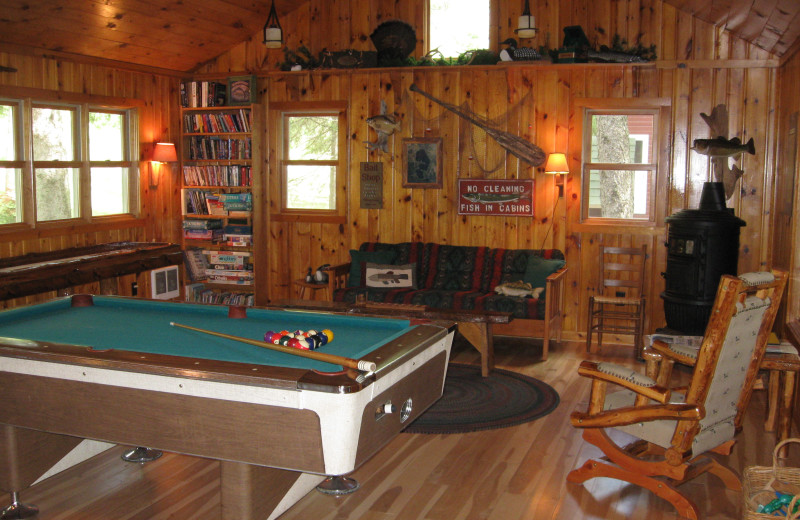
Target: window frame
(279, 120)
(657, 169)
(25, 99)
(494, 29)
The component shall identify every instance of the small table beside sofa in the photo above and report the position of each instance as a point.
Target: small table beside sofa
(458, 278)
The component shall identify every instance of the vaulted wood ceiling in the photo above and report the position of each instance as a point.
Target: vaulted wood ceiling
(179, 35)
(773, 25)
(169, 34)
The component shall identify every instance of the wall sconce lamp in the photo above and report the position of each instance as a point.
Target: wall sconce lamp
(162, 153)
(557, 165)
(273, 35)
(526, 28)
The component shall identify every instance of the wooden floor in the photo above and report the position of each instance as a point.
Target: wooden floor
(507, 474)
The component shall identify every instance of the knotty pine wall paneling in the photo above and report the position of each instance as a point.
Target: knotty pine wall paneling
(699, 66)
(159, 215)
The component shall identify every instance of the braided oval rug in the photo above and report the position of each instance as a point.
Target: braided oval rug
(471, 403)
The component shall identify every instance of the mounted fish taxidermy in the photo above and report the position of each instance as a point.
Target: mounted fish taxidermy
(720, 148)
(384, 125)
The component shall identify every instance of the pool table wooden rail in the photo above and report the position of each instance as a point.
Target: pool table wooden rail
(387, 358)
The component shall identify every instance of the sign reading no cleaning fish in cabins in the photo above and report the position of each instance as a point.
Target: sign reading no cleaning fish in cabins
(506, 198)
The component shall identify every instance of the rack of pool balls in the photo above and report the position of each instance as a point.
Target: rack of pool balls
(308, 340)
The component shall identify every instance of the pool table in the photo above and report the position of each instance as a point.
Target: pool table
(112, 369)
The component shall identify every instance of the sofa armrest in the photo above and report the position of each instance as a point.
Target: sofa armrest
(337, 277)
(554, 294)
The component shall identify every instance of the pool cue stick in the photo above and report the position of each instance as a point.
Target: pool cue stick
(358, 364)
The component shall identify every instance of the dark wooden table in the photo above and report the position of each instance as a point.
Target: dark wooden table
(475, 326)
(41, 272)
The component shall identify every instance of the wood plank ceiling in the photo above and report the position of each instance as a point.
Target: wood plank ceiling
(179, 35)
(168, 34)
(773, 25)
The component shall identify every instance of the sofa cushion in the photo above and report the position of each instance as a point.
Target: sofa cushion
(456, 268)
(538, 269)
(358, 259)
(391, 276)
(509, 265)
(530, 308)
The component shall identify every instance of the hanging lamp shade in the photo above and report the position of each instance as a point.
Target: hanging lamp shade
(526, 28)
(273, 34)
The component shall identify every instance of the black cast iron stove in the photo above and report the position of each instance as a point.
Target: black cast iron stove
(702, 245)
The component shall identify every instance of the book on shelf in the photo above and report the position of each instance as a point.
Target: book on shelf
(196, 264)
(237, 240)
(202, 234)
(203, 294)
(238, 229)
(237, 121)
(195, 94)
(227, 257)
(202, 223)
(218, 175)
(220, 148)
(228, 279)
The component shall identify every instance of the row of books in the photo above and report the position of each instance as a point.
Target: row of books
(230, 267)
(222, 122)
(200, 293)
(203, 202)
(196, 94)
(218, 175)
(222, 148)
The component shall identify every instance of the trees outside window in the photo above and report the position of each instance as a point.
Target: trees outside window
(312, 161)
(456, 26)
(60, 136)
(620, 164)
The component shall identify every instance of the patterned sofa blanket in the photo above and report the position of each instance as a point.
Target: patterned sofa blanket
(449, 277)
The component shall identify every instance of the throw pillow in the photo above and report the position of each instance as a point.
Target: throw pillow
(391, 276)
(359, 258)
(538, 269)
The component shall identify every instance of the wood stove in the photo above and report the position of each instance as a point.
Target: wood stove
(702, 245)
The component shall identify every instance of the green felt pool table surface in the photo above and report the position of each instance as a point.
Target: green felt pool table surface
(144, 326)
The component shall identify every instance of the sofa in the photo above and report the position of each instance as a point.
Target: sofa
(448, 277)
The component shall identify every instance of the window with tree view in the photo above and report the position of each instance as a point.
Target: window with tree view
(456, 26)
(10, 165)
(310, 161)
(619, 164)
(64, 182)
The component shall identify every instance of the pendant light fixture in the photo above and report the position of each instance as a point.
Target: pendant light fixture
(273, 34)
(526, 28)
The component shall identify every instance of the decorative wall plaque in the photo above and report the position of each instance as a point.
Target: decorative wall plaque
(506, 198)
(371, 185)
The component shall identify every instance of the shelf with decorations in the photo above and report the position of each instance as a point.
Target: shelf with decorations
(220, 193)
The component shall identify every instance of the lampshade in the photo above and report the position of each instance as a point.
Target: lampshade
(164, 152)
(273, 35)
(526, 27)
(556, 164)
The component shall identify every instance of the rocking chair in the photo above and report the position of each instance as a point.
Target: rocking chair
(677, 426)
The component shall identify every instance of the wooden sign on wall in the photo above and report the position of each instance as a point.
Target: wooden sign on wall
(507, 198)
(371, 185)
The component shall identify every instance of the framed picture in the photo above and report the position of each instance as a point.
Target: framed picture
(241, 90)
(422, 162)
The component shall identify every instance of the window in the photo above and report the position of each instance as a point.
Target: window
(10, 165)
(312, 162)
(79, 164)
(620, 162)
(456, 26)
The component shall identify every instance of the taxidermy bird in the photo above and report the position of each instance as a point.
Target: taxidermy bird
(321, 276)
(514, 53)
(384, 125)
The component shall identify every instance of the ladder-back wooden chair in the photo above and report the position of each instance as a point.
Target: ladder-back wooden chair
(676, 427)
(619, 307)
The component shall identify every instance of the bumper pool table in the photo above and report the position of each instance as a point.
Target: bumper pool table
(113, 370)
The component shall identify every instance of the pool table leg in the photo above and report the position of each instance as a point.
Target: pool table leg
(259, 492)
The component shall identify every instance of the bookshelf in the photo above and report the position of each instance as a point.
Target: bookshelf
(221, 198)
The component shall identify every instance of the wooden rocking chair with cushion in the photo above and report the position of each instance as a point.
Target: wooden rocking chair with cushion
(676, 427)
